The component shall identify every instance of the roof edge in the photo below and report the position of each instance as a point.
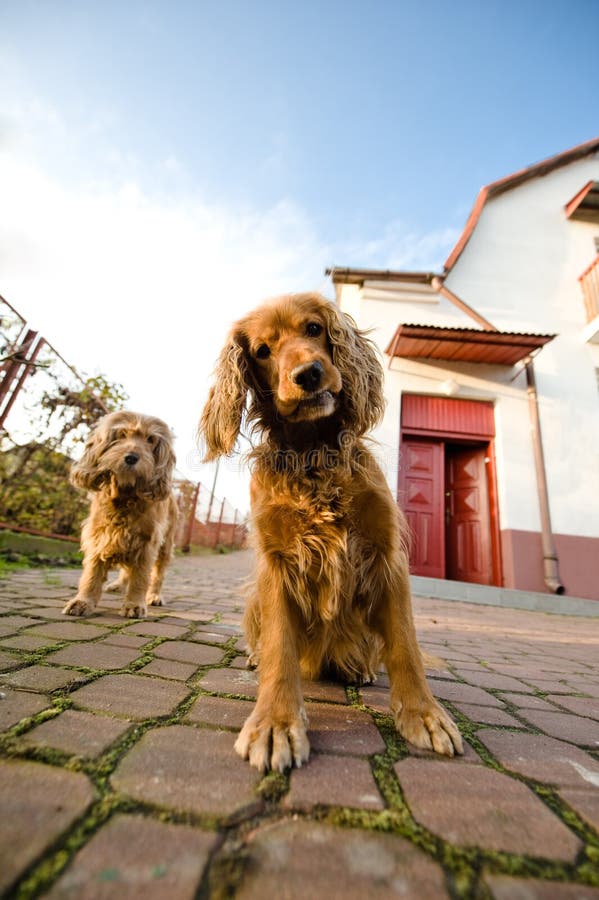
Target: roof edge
(345, 275)
(495, 188)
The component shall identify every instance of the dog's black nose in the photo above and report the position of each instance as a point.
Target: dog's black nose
(131, 459)
(308, 376)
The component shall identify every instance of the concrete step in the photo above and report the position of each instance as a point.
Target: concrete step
(442, 589)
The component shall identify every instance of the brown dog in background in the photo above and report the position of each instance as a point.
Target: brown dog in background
(127, 466)
(331, 593)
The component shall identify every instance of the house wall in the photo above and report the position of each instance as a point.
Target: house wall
(520, 270)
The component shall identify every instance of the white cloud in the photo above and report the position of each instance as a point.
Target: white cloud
(141, 289)
(142, 285)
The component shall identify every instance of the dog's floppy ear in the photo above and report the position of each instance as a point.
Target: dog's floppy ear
(85, 473)
(162, 482)
(221, 418)
(356, 357)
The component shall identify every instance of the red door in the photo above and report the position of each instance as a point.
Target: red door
(422, 502)
(469, 556)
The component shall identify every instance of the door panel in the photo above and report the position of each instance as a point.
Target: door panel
(422, 502)
(467, 515)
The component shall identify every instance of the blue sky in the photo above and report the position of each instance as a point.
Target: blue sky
(163, 165)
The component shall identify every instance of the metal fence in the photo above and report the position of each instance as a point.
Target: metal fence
(206, 520)
(46, 412)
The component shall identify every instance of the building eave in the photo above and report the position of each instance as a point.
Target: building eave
(495, 188)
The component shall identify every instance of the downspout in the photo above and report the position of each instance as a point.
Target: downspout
(550, 560)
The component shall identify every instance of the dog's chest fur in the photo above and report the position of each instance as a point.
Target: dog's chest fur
(122, 528)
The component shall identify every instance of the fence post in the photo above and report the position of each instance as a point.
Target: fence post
(219, 523)
(190, 520)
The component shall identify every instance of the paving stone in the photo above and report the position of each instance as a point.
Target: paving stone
(134, 857)
(170, 668)
(49, 612)
(466, 693)
(504, 888)
(39, 803)
(528, 701)
(566, 727)
(134, 696)
(10, 624)
(125, 640)
(189, 652)
(157, 629)
(188, 769)
(585, 800)
(220, 711)
(17, 705)
(377, 698)
(486, 679)
(69, 631)
(94, 656)
(502, 813)
(333, 781)
(27, 642)
(543, 758)
(302, 860)
(327, 691)
(488, 715)
(239, 662)
(209, 637)
(582, 706)
(42, 678)
(79, 733)
(231, 681)
(342, 729)
(9, 661)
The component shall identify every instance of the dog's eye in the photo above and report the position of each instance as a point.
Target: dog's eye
(151, 439)
(263, 351)
(313, 329)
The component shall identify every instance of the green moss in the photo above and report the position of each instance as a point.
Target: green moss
(273, 786)
(224, 876)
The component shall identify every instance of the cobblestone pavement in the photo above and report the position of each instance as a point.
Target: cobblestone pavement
(118, 777)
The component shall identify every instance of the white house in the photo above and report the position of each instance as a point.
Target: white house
(491, 434)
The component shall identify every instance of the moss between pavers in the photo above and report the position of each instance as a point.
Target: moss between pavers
(464, 867)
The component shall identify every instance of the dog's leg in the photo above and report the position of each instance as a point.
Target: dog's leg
(134, 602)
(90, 588)
(159, 568)
(161, 564)
(251, 629)
(274, 736)
(418, 716)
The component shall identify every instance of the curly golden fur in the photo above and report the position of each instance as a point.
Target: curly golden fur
(127, 466)
(331, 592)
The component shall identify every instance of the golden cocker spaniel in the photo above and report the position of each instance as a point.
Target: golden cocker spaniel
(331, 592)
(127, 466)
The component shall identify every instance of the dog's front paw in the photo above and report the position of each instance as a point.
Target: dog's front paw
(77, 607)
(153, 599)
(430, 727)
(134, 610)
(274, 746)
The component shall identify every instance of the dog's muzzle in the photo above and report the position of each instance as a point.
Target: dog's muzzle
(308, 376)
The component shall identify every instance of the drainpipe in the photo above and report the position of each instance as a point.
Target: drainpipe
(550, 561)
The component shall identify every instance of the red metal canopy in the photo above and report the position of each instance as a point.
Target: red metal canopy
(504, 348)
